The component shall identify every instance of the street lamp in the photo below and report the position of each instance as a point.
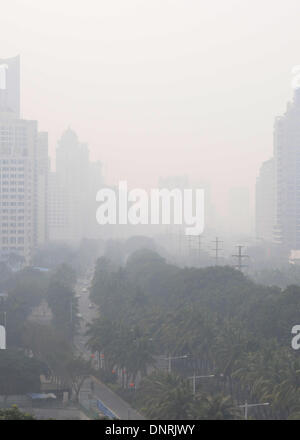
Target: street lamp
(193, 378)
(249, 405)
(170, 358)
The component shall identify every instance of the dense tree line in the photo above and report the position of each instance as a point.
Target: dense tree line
(230, 328)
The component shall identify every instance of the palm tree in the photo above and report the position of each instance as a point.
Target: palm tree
(218, 407)
(166, 396)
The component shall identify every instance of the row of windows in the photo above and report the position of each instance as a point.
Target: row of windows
(6, 150)
(10, 128)
(12, 203)
(12, 211)
(13, 217)
(11, 143)
(13, 240)
(13, 249)
(13, 225)
(12, 176)
(12, 196)
(12, 169)
(12, 189)
(13, 232)
(12, 161)
(12, 182)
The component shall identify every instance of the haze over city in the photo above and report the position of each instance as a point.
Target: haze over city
(150, 213)
(163, 86)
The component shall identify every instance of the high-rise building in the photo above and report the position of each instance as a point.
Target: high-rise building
(42, 188)
(72, 191)
(23, 172)
(265, 202)
(10, 85)
(287, 175)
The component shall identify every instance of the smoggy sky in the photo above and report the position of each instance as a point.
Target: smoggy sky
(158, 87)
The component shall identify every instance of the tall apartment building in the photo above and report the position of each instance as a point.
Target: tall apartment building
(265, 201)
(23, 171)
(42, 187)
(72, 191)
(278, 184)
(287, 175)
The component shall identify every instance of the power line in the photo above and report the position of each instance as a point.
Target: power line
(194, 245)
(217, 249)
(240, 257)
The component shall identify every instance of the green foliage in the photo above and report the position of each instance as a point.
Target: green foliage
(77, 371)
(126, 348)
(26, 289)
(166, 396)
(169, 396)
(14, 413)
(62, 300)
(50, 347)
(64, 275)
(19, 374)
(228, 325)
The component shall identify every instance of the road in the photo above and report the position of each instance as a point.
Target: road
(110, 399)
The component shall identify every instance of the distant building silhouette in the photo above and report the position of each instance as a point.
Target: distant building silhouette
(72, 191)
(278, 183)
(287, 175)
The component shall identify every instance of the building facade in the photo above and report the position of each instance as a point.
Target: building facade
(23, 173)
(287, 175)
(278, 183)
(72, 192)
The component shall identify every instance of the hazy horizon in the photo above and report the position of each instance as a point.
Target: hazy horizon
(158, 88)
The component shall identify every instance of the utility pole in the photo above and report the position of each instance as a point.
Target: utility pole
(101, 359)
(194, 245)
(179, 243)
(240, 257)
(199, 245)
(217, 249)
(189, 239)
